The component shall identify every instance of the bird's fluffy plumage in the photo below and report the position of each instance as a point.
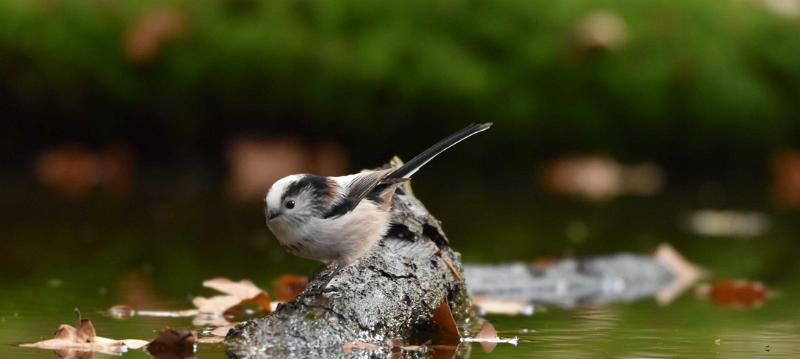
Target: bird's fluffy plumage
(337, 219)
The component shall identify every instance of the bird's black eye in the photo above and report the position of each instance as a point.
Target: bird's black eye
(289, 204)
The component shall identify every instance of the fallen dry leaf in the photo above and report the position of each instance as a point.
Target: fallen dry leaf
(243, 289)
(289, 286)
(217, 304)
(173, 343)
(70, 341)
(443, 318)
(738, 293)
(487, 332)
(686, 273)
(236, 294)
(212, 311)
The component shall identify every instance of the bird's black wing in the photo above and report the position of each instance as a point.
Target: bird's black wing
(356, 190)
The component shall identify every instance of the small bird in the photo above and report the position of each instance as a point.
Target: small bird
(335, 220)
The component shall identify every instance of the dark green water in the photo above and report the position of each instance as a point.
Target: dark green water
(155, 249)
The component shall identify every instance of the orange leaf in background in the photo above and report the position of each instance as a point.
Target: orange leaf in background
(74, 170)
(146, 35)
(448, 331)
(738, 293)
(289, 286)
(544, 262)
(786, 178)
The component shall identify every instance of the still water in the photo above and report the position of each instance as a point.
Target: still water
(92, 254)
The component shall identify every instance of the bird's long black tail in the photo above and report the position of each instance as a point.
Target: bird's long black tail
(410, 167)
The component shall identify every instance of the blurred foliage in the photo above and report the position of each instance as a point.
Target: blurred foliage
(684, 79)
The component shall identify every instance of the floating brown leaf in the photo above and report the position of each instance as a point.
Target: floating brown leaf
(448, 331)
(70, 342)
(738, 293)
(686, 273)
(171, 343)
(289, 286)
(487, 332)
(236, 294)
(217, 304)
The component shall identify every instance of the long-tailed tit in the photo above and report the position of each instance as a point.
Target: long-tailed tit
(337, 219)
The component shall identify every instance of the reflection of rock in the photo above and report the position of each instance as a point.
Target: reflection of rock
(73, 170)
(786, 178)
(600, 178)
(257, 163)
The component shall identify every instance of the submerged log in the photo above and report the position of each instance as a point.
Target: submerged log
(389, 293)
(569, 282)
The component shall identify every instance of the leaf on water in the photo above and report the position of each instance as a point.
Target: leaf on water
(215, 310)
(243, 289)
(289, 286)
(487, 332)
(217, 304)
(71, 342)
(686, 273)
(171, 343)
(738, 293)
(507, 307)
(235, 294)
(443, 318)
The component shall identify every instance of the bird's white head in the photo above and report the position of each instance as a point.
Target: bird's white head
(293, 200)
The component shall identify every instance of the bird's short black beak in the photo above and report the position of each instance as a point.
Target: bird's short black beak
(272, 214)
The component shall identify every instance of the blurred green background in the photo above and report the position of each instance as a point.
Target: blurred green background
(139, 137)
(693, 84)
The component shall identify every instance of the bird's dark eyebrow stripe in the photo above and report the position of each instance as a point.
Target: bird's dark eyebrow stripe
(318, 184)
